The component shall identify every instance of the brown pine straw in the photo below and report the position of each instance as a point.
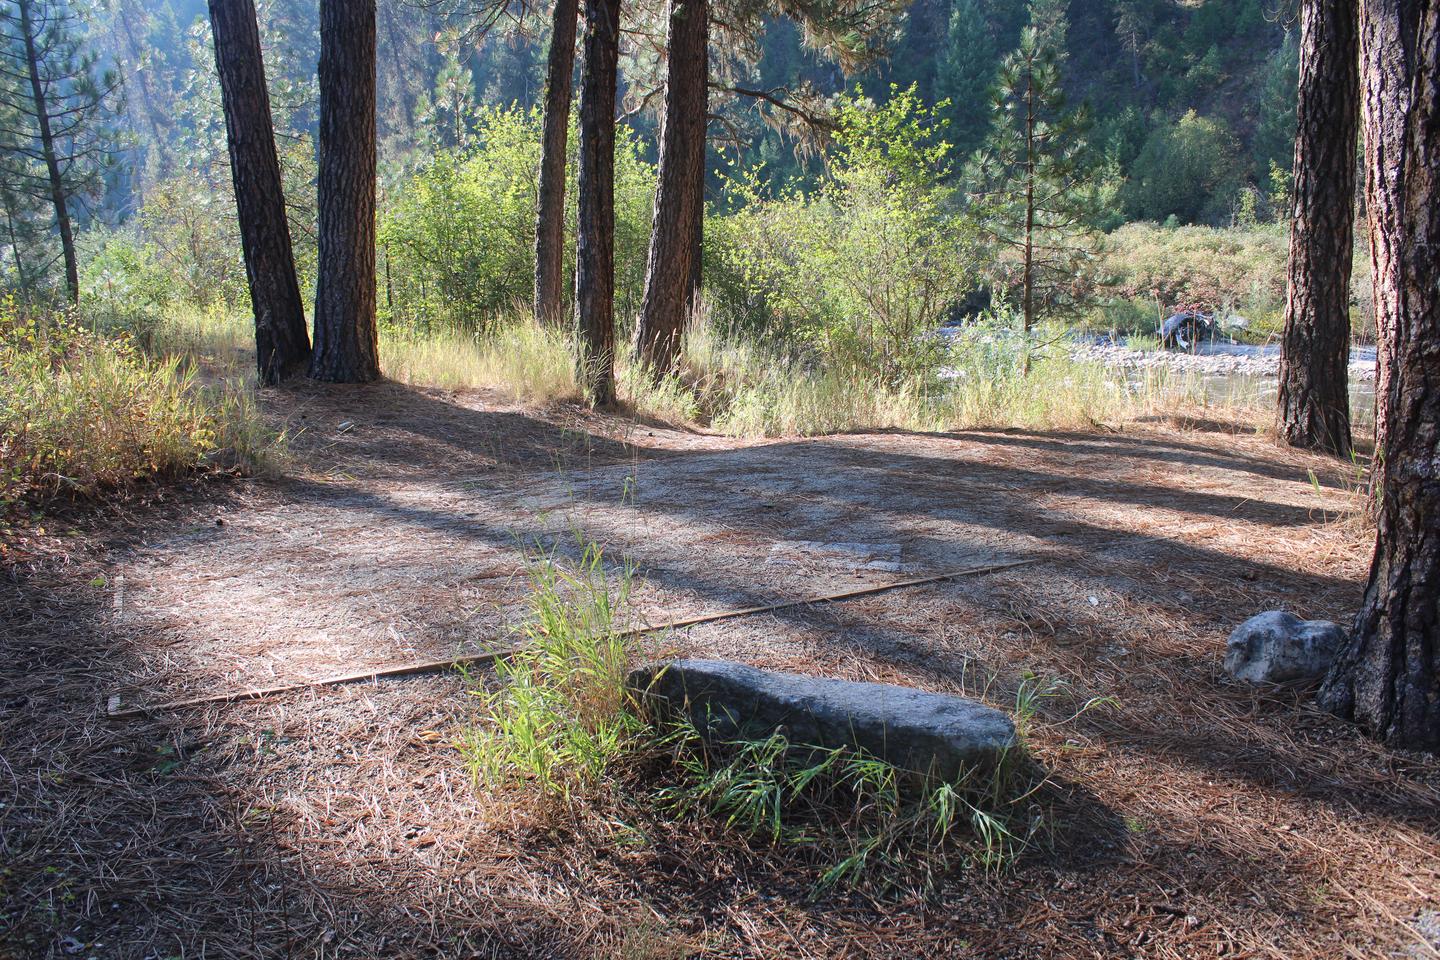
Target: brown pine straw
(114, 711)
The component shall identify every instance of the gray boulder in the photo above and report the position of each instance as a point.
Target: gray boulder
(1275, 646)
(917, 731)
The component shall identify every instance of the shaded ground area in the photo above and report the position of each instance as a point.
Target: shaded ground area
(1194, 819)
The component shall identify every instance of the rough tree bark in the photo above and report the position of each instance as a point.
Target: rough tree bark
(679, 196)
(550, 197)
(1386, 38)
(47, 151)
(346, 339)
(282, 345)
(595, 241)
(1314, 404)
(1388, 678)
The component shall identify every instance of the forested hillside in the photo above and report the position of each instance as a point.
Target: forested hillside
(1181, 94)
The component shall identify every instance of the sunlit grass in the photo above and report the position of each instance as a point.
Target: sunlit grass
(528, 361)
(83, 412)
(744, 389)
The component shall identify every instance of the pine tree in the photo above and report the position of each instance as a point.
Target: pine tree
(1313, 399)
(670, 273)
(550, 193)
(595, 236)
(346, 335)
(1388, 678)
(1034, 192)
(60, 111)
(281, 343)
(448, 117)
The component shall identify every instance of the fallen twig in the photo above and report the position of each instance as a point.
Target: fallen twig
(430, 666)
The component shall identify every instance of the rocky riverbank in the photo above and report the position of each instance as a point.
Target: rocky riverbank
(1211, 359)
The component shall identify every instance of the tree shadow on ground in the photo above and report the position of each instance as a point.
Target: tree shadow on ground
(168, 821)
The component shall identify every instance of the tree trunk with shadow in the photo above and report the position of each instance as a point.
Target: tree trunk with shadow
(1314, 403)
(346, 338)
(670, 272)
(1388, 678)
(550, 196)
(595, 240)
(282, 344)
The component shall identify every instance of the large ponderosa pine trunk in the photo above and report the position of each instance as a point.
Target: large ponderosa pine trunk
(282, 345)
(1388, 678)
(679, 198)
(58, 198)
(550, 196)
(346, 339)
(595, 240)
(1314, 406)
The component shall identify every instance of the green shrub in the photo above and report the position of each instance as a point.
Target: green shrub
(859, 270)
(1229, 269)
(81, 413)
(456, 242)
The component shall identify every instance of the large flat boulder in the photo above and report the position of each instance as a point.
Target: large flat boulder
(917, 731)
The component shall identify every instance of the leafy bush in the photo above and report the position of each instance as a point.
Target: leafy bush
(81, 413)
(456, 242)
(1243, 270)
(860, 269)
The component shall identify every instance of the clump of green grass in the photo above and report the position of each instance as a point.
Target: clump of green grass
(82, 412)
(863, 821)
(560, 715)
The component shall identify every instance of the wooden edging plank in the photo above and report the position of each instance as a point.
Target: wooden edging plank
(431, 666)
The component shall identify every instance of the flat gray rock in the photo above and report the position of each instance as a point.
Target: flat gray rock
(915, 730)
(1275, 646)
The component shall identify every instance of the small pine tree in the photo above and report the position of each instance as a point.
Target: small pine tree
(448, 117)
(1035, 189)
(59, 111)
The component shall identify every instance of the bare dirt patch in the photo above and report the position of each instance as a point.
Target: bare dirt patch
(1196, 819)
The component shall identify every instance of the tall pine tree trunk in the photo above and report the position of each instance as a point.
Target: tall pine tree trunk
(550, 197)
(1315, 353)
(679, 197)
(595, 240)
(346, 339)
(1385, 35)
(58, 196)
(282, 345)
(1388, 678)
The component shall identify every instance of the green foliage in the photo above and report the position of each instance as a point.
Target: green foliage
(861, 269)
(1189, 170)
(965, 72)
(61, 92)
(457, 240)
(1230, 269)
(82, 412)
(1273, 144)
